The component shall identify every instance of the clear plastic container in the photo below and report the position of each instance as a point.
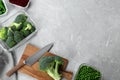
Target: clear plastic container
(85, 64)
(5, 7)
(9, 21)
(19, 5)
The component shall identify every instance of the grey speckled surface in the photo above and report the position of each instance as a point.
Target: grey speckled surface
(84, 31)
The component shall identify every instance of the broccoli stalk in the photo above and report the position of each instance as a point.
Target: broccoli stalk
(53, 72)
(27, 29)
(16, 26)
(51, 65)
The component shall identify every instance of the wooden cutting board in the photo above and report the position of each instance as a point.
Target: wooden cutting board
(34, 69)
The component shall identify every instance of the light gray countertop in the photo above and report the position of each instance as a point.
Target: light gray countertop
(84, 31)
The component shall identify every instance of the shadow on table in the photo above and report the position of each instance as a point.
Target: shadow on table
(3, 61)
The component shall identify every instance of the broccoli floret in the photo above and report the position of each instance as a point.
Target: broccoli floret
(27, 26)
(21, 18)
(10, 42)
(51, 65)
(16, 26)
(18, 36)
(3, 33)
(25, 32)
(27, 29)
(10, 32)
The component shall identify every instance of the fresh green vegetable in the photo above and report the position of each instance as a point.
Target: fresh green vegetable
(3, 33)
(17, 31)
(28, 28)
(87, 73)
(16, 26)
(51, 65)
(10, 32)
(2, 7)
(10, 42)
(18, 36)
(21, 18)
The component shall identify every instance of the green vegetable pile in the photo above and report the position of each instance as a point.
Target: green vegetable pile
(2, 7)
(87, 73)
(17, 31)
(51, 65)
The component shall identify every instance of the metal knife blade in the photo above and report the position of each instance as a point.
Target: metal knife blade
(32, 59)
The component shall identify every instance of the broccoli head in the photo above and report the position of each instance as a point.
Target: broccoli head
(27, 28)
(3, 33)
(10, 42)
(20, 18)
(18, 36)
(51, 65)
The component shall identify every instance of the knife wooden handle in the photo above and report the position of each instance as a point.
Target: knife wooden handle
(13, 70)
(67, 74)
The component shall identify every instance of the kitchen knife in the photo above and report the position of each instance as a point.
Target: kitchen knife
(30, 60)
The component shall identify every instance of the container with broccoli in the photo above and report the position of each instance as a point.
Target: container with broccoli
(19, 29)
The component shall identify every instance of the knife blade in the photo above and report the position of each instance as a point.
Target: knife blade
(31, 60)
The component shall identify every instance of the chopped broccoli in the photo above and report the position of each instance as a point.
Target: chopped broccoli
(17, 31)
(3, 33)
(16, 26)
(10, 42)
(51, 65)
(10, 32)
(21, 18)
(27, 29)
(27, 26)
(18, 36)
(25, 32)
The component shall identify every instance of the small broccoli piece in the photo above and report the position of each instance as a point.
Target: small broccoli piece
(18, 36)
(16, 26)
(27, 26)
(10, 42)
(25, 32)
(10, 32)
(3, 33)
(21, 18)
(51, 65)
(27, 29)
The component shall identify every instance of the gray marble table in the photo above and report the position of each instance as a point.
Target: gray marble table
(84, 31)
